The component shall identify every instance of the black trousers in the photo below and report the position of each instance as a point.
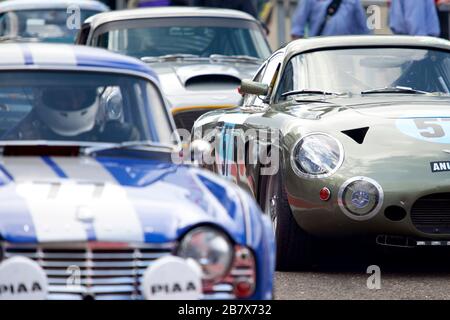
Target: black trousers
(444, 16)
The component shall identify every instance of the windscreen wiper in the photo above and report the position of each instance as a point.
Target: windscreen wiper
(18, 39)
(126, 145)
(396, 89)
(170, 57)
(311, 92)
(243, 58)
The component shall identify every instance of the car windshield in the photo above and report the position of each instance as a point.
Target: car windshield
(49, 25)
(369, 70)
(87, 107)
(193, 36)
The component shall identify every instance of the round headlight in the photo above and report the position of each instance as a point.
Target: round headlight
(210, 248)
(360, 198)
(317, 155)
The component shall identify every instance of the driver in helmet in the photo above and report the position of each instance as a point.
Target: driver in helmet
(70, 113)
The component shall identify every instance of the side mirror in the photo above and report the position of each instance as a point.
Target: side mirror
(253, 87)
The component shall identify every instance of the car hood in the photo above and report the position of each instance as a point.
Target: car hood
(57, 199)
(387, 107)
(202, 83)
(384, 137)
(346, 113)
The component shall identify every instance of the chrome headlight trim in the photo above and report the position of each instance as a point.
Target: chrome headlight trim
(371, 214)
(302, 174)
(205, 229)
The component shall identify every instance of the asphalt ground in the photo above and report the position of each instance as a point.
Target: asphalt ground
(341, 272)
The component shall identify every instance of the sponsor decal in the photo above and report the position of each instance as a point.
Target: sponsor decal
(172, 278)
(22, 279)
(440, 166)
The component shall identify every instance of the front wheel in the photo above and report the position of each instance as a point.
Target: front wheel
(294, 245)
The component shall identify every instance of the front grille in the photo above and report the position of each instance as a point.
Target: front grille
(92, 271)
(106, 271)
(431, 214)
(186, 119)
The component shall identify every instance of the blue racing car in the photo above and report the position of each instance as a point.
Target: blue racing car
(92, 205)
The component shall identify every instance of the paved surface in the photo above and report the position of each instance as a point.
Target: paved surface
(405, 274)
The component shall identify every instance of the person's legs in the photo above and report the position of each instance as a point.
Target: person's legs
(444, 22)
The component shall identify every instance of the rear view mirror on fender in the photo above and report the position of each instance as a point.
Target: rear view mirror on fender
(252, 87)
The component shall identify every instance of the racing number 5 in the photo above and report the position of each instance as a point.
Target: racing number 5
(429, 128)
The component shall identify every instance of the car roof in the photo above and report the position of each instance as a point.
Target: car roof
(166, 12)
(68, 57)
(336, 42)
(16, 5)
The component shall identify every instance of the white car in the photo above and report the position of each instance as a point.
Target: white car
(200, 55)
(45, 20)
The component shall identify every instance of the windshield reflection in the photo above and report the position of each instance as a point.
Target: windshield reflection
(362, 70)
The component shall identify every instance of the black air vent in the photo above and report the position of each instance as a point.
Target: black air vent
(431, 214)
(212, 81)
(357, 134)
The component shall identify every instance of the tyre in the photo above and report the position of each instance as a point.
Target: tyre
(294, 245)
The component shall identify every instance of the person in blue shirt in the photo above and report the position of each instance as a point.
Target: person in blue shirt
(349, 18)
(242, 5)
(418, 18)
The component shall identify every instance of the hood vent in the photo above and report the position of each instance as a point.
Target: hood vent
(357, 134)
(212, 81)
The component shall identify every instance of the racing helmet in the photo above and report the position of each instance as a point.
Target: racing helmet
(68, 111)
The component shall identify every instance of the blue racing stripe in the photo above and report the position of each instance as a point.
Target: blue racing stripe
(16, 223)
(52, 164)
(28, 57)
(90, 232)
(5, 176)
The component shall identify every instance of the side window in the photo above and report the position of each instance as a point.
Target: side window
(270, 73)
(249, 99)
(264, 75)
(286, 82)
(271, 68)
(260, 73)
(3, 24)
(83, 35)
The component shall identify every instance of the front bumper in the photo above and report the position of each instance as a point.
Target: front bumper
(422, 218)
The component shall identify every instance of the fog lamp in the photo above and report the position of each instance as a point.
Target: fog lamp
(360, 198)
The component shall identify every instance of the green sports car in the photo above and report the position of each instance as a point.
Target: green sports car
(343, 136)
